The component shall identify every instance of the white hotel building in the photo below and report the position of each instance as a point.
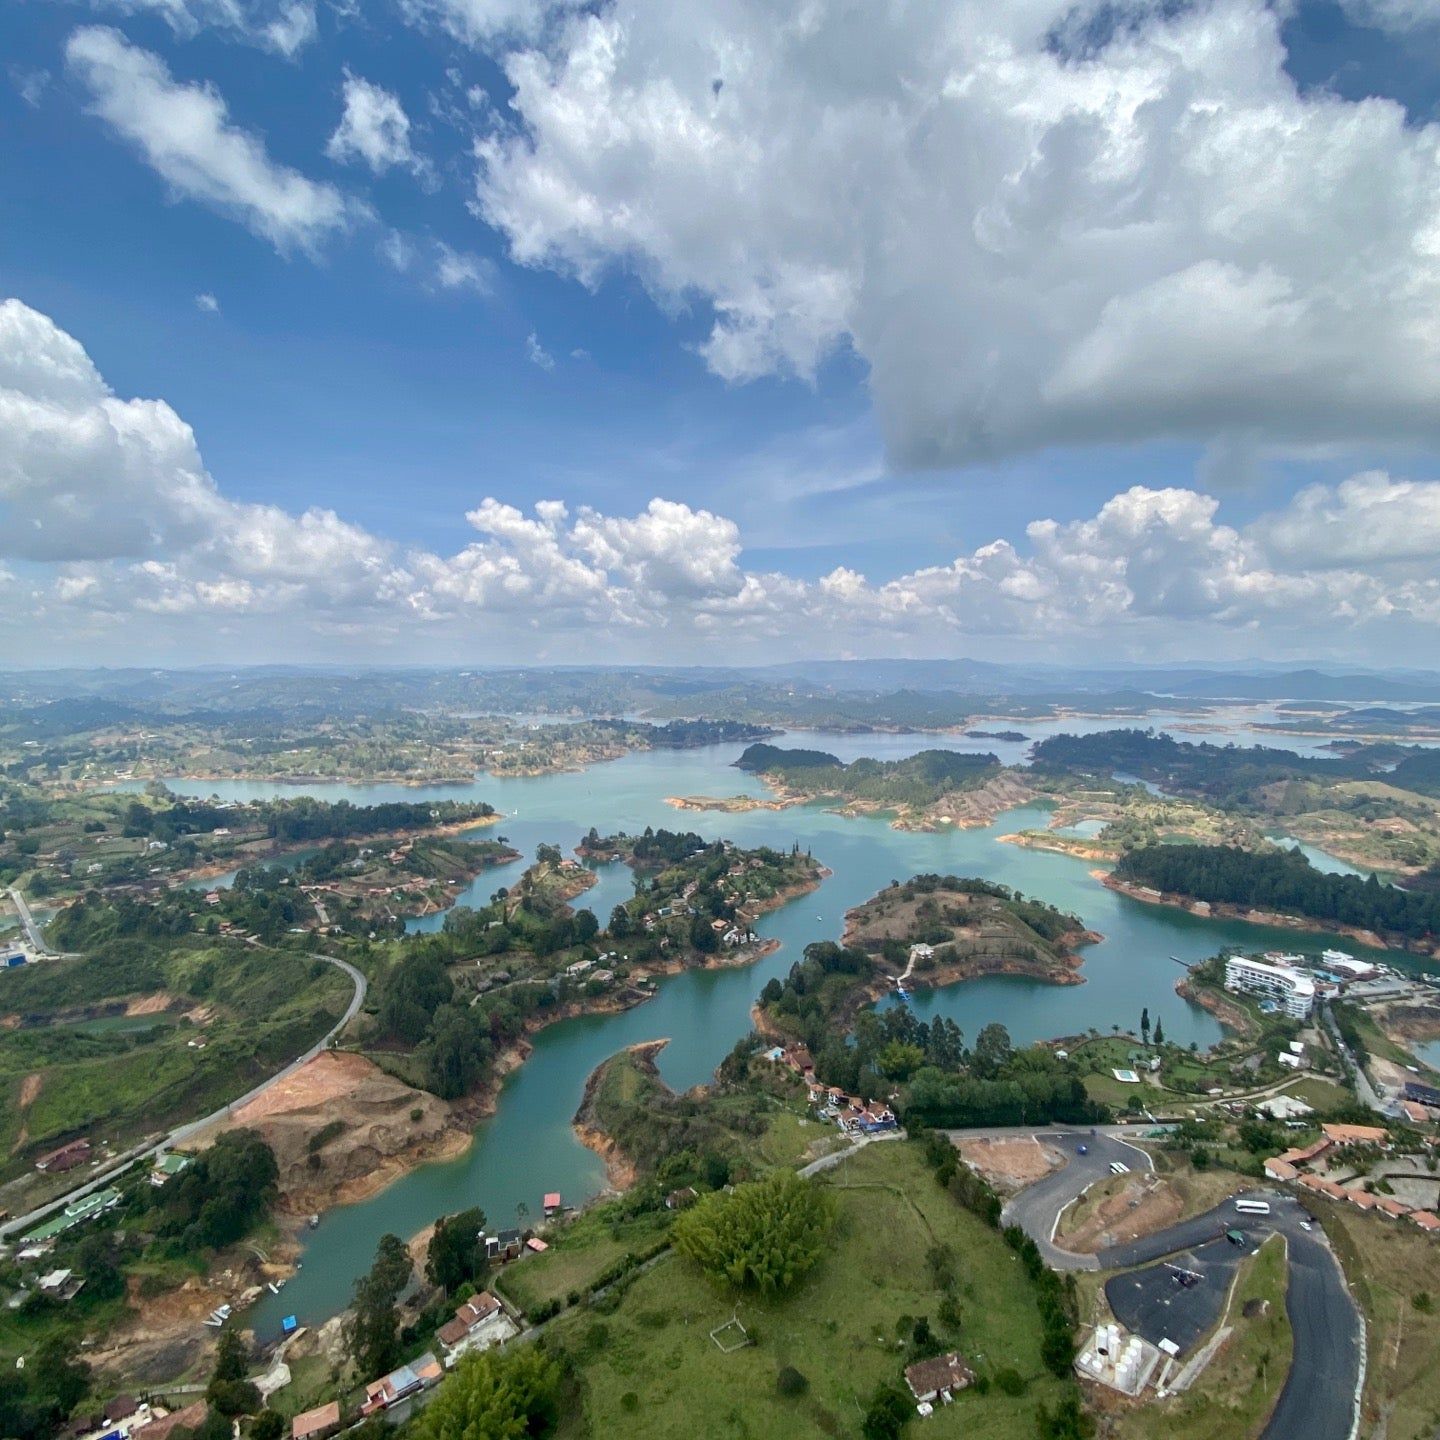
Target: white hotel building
(1290, 989)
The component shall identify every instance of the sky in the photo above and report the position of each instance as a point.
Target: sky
(467, 331)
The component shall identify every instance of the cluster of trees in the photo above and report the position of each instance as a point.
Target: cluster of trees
(1032, 1088)
(668, 847)
(372, 1329)
(306, 818)
(495, 1395)
(1224, 774)
(1282, 879)
(417, 1009)
(223, 1194)
(762, 1236)
(917, 780)
(36, 1401)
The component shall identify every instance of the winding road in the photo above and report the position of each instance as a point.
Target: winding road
(1320, 1400)
(185, 1132)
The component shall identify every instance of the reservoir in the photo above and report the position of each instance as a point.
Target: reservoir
(528, 1147)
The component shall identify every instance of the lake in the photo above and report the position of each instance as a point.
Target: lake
(528, 1147)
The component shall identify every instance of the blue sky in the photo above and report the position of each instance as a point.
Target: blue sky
(836, 430)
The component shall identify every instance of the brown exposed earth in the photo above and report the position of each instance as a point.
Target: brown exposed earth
(1010, 1163)
(387, 1128)
(1136, 1206)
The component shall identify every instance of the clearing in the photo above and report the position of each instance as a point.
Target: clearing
(1010, 1163)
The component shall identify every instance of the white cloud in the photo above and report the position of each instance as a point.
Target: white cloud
(460, 270)
(207, 302)
(482, 22)
(30, 85)
(1026, 245)
(284, 26)
(184, 133)
(374, 128)
(110, 526)
(537, 354)
(1394, 15)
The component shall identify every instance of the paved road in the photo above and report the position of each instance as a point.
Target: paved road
(1036, 1209)
(1365, 1092)
(27, 920)
(22, 1223)
(1319, 1401)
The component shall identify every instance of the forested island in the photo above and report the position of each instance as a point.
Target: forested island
(1283, 881)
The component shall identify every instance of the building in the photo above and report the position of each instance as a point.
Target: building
(551, 1203)
(75, 1213)
(191, 1418)
(1278, 1169)
(67, 1157)
(1284, 1107)
(401, 1383)
(480, 1322)
(61, 1284)
(167, 1166)
(316, 1424)
(1357, 1135)
(939, 1378)
(504, 1246)
(1282, 985)
(681, 1199)
(1346, 966)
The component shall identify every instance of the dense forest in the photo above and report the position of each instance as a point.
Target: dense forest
(302, 819)
(918, 780)
(1220, 773)
(1282, 879)
(760, 758)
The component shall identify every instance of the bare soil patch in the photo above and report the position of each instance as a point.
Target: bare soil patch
(1010, 1163)
(1119, 1210)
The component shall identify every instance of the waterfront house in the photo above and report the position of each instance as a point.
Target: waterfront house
(551, 1204)
(939, 1378)
(503, 1246)
(481, 1320)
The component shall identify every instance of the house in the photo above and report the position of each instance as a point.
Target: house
(1415, 1113)
(579, 968)
(536, 1245)
(122, 1408)
(1278, 1169)
(921, 952)
(191, 1418)
(167, 1166)
(398, 1384)
(1291, 1062)
(938, 1378)
(316, 1424)
(1307, 1152)
(1283, 1107)
(61, 1285)
(504, 1246)
(604, 977)
(1427, 1220)
(1395, 1209)
(1357, 1135)
(475, 1319)
(67, 1157)
(799, 1059)
(551, 1204)
(681, 1199)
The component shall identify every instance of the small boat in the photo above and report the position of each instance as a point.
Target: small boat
(313, 1221)
(273, 1287)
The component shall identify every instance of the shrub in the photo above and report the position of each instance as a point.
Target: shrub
(1010, 1381)
(791, 1382)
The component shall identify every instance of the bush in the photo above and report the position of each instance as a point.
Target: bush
(763, 1236)
(1010, 1381)
(889, 1410)
(791, 1382)
(629, 1401)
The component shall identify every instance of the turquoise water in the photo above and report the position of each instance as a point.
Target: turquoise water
(528, 1147)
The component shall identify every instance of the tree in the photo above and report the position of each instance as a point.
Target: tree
(373, 1332)
(268, 1425)
(586, 926)
(762, 1236)
(456, 1253)
(1159, 1032)
(992, 1050)
(492, 1395)
(889, 1411)
(222, 1194)
(1145, 1025)
(621, 927)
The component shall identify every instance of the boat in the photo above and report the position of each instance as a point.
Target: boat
(313, 1221)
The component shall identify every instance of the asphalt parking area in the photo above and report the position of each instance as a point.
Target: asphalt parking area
(1153, 1303)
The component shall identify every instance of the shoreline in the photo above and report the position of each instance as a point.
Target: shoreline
(621, 1172)
(1251, 915)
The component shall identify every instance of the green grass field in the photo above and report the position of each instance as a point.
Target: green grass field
(649, 1369)
(579, 1253)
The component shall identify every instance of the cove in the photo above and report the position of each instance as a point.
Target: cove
(528, 1147)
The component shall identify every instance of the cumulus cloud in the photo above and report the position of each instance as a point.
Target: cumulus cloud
(537, 354)
(110, 524)
(184, 133)
(1028, 240)
(285, 27)
(373, 129)
(461, 270)
(207, 302)
(1394, 15)
(482, 22)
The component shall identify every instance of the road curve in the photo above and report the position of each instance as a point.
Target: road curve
(184, 1132)
(1320, 1400)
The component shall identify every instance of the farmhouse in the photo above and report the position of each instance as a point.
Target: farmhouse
(938, 1378)
(316, 1424)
